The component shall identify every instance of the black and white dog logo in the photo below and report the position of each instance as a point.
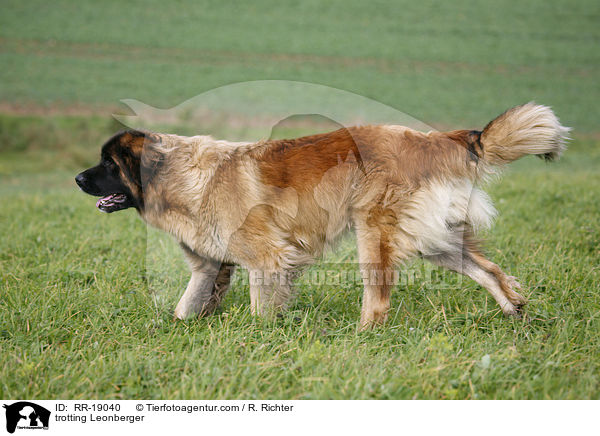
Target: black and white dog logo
(26, 415)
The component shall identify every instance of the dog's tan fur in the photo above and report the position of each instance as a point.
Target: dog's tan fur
(274, 206)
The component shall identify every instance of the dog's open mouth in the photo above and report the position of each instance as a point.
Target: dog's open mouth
(113, 202)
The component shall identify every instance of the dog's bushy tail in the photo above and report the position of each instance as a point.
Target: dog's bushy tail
(523, 130)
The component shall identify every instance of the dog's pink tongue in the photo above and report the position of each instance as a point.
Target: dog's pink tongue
(111, 200)
(105, 200)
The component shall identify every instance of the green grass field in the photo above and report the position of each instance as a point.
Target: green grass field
(86, 299)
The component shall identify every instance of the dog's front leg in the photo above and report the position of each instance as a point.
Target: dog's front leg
(207, 286)
(270, 291)
(197, 295)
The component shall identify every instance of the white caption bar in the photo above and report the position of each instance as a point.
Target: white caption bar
(24, 417)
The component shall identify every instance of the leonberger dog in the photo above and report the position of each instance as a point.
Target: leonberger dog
(274, 206)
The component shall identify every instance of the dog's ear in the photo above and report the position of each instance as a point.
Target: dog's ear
(151, 160)
(140, 154)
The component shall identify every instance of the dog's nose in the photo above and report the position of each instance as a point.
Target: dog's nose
(80, 180)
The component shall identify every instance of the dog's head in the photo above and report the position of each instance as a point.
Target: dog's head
(118, 178)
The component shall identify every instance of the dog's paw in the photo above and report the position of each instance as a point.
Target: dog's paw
(514, 297)
(517, 300)
(372, 320)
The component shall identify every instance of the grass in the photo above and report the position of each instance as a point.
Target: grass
(87, 300)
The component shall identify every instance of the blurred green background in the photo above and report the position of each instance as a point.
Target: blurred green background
(445, 63)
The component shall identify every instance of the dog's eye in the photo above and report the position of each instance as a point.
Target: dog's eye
(108, 164)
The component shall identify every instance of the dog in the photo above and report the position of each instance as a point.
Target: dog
(274, 206)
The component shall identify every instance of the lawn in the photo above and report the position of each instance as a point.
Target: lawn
(86, 299)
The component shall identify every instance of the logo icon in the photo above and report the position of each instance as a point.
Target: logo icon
(26, 415)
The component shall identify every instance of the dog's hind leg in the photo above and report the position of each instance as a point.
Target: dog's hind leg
(468, 260)
(206, 288)
(270, 291)
(507, 283)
